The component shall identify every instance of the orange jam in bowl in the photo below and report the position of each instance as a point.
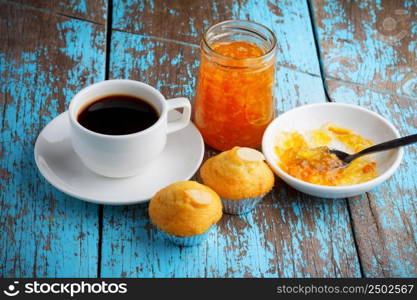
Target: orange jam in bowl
(306, 157)
(234, 101)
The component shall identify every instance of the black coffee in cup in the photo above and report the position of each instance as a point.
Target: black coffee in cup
(118, 115)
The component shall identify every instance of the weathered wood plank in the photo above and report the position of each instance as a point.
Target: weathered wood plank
(288, 235)
(296, 237)
(371, 47)
(373, 43)
(44, 60)
(186, 20)
(156, 62)
(91, 10)
(385, 220)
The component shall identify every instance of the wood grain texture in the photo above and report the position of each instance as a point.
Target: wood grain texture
(91, 10)
(288, 235)
(372, 43)
(46, 57)
(44, 60)
(186, 20)
(385, 220)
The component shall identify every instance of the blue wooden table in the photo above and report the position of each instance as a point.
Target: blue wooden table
(361, 52)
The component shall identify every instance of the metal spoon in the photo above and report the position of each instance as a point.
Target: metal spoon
(347, 158)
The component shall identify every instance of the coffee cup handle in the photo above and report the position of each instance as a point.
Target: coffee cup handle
(183, 103)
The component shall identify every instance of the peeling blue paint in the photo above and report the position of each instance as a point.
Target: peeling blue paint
(375, 60)
(43, 224)
(393, 202)
(77, 5)
(292, 27)
(306, 232)
(177, 59)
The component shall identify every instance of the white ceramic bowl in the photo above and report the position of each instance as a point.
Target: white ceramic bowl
(362, 121)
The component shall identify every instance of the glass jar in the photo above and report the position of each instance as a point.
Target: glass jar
(234, 101)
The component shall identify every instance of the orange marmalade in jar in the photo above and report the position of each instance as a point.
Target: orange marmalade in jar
(234, 101)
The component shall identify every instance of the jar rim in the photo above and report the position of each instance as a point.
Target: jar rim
(268, 53)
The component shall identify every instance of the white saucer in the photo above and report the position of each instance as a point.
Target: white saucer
(59, 164)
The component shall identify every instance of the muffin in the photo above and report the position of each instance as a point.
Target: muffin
(185, 211)
(240, 177)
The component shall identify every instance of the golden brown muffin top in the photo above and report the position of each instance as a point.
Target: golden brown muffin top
(238, 173)
(185, 208)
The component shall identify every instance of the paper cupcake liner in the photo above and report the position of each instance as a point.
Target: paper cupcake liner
(242, 206)
(186, 240)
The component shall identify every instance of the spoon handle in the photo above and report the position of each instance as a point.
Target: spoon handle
(411, 139)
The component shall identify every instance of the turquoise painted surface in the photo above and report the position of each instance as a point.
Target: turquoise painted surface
(368, 51)
(372, 43)
(91, 10)
(146, 59)
(95, 10)
(289, 20)
(47, 233)
(392, 206)
(76, 5)
(238, 246)
(44, 232)
(289, 235)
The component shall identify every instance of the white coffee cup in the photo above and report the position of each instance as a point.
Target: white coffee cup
(124, 155)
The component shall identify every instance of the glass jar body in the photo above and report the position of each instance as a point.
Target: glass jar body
(234, 101)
